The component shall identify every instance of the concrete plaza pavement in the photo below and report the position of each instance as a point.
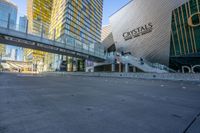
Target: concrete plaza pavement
(76, 104)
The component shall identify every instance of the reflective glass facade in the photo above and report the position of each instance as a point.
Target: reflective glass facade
(81, 19)
(185, 39)
(23, 23)
(6, 8)
(185, 35)
(67, 20)
(39, 15)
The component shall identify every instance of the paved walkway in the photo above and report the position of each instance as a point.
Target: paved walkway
(75, 104)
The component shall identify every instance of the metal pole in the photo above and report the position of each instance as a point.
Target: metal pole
(82, 46)
(85, 65)
(74, 43)
(27, 27)
(120, 67)
(42, 31)
(134, 69)
(54, 35)
(0, 58)
(88, 48)
(99, 50)
(8, 24)
(126, 68)
(113, 67)
(94, 48)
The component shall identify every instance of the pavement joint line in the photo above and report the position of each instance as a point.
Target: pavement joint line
(191, 123)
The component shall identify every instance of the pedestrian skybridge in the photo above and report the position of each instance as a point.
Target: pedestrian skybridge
(17, 35)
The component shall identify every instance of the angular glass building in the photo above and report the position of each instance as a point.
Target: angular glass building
(159, 31)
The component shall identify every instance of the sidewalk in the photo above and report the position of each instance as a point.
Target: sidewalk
(156, 76)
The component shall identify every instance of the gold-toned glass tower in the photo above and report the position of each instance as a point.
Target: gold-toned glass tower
(39, 15)
(71, 21)
(39, 19)
(80, 19)
(76, 22)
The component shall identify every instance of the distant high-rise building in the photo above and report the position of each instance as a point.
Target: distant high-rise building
(8, 10)
(23, 23)
(10, 53)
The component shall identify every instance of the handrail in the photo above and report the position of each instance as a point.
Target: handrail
(126, 58)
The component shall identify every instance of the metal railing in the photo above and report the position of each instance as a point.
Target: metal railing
(159, 66)
(127, 58)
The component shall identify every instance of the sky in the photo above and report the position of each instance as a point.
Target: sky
(110, 6)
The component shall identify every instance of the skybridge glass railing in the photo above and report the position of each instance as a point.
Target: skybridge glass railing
(68, 42)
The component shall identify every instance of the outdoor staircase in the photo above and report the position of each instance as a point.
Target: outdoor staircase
(144, 65)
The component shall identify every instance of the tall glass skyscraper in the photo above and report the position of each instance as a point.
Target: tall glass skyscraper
(77, 22)
(8, 12)
(8, 8)
(39, 17)
(23, 23)
(80, 19)
(68, 20)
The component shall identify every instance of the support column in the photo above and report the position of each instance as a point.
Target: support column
(70, 64)
(8, 24)
(113, 67)
(42, 32)
(54, 35)
(75, 65)
(120, 67)
(126, 68)
(85, 65)
(134, 69)
(27, 27)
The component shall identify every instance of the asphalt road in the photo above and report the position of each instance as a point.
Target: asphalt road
(72, 104)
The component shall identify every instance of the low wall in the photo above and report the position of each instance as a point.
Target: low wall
(166, 76)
